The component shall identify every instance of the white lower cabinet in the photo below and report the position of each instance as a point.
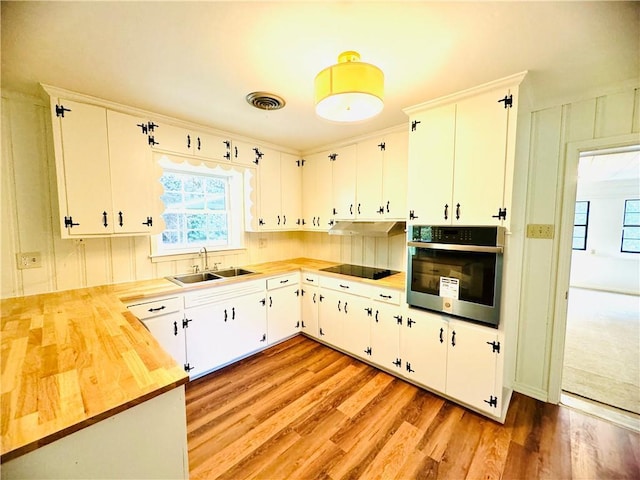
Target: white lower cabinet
(310, 302)
(386, 322)
(472, 361)
(222, 324)
(283, 307)
(423, 343)
(163, 318)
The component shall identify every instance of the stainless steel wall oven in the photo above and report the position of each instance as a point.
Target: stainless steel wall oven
(456, 270)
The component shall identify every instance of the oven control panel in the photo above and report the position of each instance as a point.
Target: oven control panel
(490, 236)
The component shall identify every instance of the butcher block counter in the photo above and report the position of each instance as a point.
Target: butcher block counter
(74, 358)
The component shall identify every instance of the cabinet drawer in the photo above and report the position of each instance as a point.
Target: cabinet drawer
(156, 307)
(346, 286)
(387, 295)
(283, 281)
(310, 278)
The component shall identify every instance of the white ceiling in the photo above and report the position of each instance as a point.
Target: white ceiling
(197, 60)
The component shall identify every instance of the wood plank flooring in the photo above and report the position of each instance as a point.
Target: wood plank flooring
(301, 410)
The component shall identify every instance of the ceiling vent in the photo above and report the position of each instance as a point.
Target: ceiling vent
(265, 101)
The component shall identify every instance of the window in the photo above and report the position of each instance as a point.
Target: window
(580, 225)
(631, 227)
(203, 208)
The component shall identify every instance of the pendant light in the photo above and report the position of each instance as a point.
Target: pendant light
(349, 91)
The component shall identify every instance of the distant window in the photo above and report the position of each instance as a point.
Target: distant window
(581, 225)
(631, 227)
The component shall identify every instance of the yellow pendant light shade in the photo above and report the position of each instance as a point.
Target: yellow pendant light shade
(349, 91)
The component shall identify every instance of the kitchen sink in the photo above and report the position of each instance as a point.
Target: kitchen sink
(191, 278)
(233, 272)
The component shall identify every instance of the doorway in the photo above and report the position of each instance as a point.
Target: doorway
(601, 362)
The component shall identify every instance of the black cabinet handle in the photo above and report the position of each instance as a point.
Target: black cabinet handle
(175, 329)
(441, 335)
(120, 219)
(270, 302)
(385, 296)
(314, 298)
(345, 307)
(233, 313)
(104, 219)
(278, 219)
(343, 286)
(377, 315)
(446, 211)
(157, 309)
(387, 206)
(284, 281)
(339, 306)
(199, 143)
(453, 338)
(358, 209)
(458, 211)
(225, 315)
(351, 209)
(188, 141)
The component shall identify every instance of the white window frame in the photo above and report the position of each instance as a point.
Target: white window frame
(235, 192)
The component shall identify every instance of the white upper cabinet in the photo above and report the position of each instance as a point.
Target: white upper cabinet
(343, 167)
(190, 142)
(104, 171)
(245, 153)
(382, 177)
(291, 191)
(460, 160)
(316, 192)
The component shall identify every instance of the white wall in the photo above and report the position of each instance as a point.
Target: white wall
(29, 220)
(552, 129)
(602, 266)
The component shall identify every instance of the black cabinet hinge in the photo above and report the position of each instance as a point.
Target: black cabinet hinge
(333, 156)
(502, 214)
(60, 109)
(398, 319)
(264, 337)
(188, 367)
(493, 401)
(414, 124)
(152, 141)
(259, 155)
(368, 351)
(412, 215)
(149, 222)
(410, 322)
(68, 222)
(382, 146)
(300, 162)
(508, 101)
(495, 346)
(369, 311)
(409, 369)
(185, 322)
(398, 362)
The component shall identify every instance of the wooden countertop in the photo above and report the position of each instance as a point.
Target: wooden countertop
(71, 359)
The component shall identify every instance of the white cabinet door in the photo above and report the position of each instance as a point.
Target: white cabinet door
(316, 188)
(330, 317)
(385, 335)
(211, 146)
(173, 139)
(343, 166)
(369, 162)
(131, 174)
(244, 153)
(471, 366)
(82, 166)
(269, 187)
(431, 156)
(394, 175)
(480, 158)
(249, 324)
(168, 331)
(205, 334)
(423, 348)
(310, 303)
(291, 191)
(356, 329)
(283, 314)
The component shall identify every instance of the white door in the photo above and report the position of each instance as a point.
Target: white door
(394, 175)
(131, 174)
(369, 178)
(423, 348)
(168, 331)
(385, 335)
(87, 179)
(430, 178)
(480, 156)
(205, 332)
(344, 182)
(291, 191)
(471, 366)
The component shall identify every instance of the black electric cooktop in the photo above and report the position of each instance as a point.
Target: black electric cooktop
(359, 271)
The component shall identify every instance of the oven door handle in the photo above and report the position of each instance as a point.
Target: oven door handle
(460, 248)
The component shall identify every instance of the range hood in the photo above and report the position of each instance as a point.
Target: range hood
(367, 229)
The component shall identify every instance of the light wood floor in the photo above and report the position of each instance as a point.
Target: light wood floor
(301, 410)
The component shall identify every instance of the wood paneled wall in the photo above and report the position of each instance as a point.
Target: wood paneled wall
(552, 129)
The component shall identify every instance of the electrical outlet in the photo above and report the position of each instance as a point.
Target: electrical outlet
(539, 230)
(29, 260)
(262, 243)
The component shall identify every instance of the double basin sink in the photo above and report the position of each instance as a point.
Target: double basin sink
(209, 276)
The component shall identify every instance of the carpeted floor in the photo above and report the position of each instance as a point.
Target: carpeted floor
(602, 349)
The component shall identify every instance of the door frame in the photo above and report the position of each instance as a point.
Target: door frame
(571, 160)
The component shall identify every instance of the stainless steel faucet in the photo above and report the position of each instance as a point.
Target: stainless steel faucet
(206, 258)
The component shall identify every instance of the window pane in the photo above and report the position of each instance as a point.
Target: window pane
(193, 183)
(172, 182)
(578, 244)
(582, 207)
(632, 218)
(581, 219)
